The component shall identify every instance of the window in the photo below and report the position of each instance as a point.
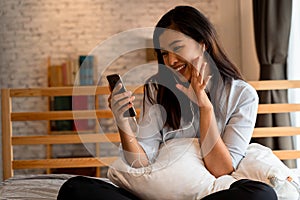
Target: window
(294, 66)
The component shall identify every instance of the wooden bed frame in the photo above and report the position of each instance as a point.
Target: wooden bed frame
(9, 116)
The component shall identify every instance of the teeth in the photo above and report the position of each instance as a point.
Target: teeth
(179, 68)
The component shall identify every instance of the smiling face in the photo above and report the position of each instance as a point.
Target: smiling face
(179, 52)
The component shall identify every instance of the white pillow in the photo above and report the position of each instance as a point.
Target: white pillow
(261, 164)
(178, 173)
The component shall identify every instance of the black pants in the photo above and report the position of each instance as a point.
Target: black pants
(245, 190)
(92, 189)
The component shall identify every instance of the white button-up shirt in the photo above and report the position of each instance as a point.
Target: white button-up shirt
(235, 106)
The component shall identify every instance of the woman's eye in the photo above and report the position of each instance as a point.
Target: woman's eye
(177, 48)
(164, 53)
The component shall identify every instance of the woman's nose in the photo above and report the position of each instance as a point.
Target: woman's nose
(172, 58)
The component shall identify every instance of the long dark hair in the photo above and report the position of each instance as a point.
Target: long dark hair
(194, 24)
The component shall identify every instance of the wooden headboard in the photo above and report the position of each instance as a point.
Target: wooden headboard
(9, 117)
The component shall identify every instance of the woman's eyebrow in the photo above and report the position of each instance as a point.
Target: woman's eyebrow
(174, 42)
(170, 45)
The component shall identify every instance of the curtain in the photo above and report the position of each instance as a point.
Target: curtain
(272, 22)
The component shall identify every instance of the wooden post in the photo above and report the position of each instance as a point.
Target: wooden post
(7, 149)
(97, 145)
(49, 146)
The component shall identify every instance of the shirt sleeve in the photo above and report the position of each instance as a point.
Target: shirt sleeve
(149, 132)
(240, 125)
(149, 129)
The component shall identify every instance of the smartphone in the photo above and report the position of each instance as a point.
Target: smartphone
(113, 80)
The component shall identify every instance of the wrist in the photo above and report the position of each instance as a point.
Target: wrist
(207, 108)
(127, 125)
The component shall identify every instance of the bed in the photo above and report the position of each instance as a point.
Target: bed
(45, 186)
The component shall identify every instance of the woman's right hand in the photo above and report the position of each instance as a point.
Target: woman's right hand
(196, 91)
(119, 103)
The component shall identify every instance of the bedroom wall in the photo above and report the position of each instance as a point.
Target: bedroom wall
(32, 30)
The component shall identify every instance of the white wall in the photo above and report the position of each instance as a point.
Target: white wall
(237, 34)
(250, 64)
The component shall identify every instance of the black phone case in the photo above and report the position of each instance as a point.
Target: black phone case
(113, 80)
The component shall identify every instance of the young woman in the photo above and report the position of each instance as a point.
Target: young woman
(197, 92)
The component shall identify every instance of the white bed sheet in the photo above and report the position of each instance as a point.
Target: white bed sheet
(33, 187)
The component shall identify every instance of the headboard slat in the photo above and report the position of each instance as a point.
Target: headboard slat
(66, 139)
(68, 91)
(63, 163)
(278, 108)
(275, 84)
(287, 154)
(275, 131)
(62, 115)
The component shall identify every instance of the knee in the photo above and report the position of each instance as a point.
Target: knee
(74, 182)
(257, 189)
(69, 188)
(267, 192)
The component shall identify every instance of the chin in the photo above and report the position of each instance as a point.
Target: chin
(187, 77)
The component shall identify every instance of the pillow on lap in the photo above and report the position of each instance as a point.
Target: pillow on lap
(178, 173)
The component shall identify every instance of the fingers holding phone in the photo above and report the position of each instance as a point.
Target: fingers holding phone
(121, 103)
(120, 100)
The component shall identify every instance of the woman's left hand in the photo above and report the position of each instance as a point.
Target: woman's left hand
(196, 91)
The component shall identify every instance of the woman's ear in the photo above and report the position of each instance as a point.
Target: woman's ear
(203, 46)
